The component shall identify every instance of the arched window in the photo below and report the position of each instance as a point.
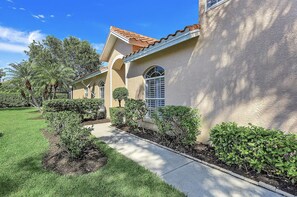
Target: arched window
(101, 89)
(154, 88)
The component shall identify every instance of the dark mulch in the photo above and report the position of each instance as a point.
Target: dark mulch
(206, 153)
(92, 122)
(58, 160)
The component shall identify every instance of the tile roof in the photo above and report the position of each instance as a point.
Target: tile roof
(187, 28)
(134, 36)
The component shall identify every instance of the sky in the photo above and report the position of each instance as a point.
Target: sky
(22, 21)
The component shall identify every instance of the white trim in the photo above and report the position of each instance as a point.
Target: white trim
(213, 6)
(126, 74)
(163, 45)
(90, 76)
(120, 37)
(110, 77)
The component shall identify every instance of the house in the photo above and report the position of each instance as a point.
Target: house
(239, 64)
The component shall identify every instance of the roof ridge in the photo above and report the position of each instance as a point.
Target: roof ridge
(134, 35)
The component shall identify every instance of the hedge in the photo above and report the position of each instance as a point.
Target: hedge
(256, 148)
(87, 108)
(12, 100)
(135, 111)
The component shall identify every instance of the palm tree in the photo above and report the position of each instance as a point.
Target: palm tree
(53, 76)
(21, 73)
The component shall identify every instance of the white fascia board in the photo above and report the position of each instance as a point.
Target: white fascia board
(163, 45)
(120, 37)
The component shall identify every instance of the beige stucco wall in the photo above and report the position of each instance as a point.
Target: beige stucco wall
(78, 88)
(243, 68)
(116, 72)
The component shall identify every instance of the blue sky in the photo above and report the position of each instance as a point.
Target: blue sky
(22, 21)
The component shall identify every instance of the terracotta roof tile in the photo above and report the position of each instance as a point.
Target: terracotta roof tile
(189, 28)
(132, 35)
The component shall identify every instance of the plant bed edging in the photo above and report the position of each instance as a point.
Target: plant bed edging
(258, 183)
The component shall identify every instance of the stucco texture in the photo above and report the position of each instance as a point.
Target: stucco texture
(93, 84)
(242, 68)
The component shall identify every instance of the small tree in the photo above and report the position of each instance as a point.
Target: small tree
(120, 94)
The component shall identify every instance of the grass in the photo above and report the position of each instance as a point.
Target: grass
(22, 146)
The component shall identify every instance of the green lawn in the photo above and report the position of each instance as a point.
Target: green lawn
(22, 147)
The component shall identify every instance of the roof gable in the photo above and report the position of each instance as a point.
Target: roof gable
(128, 37)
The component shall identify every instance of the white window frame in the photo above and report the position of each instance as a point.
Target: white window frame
(86, 92)
(148, 116)
(214, 5)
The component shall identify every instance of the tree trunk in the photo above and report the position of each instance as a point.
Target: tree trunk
(55, 91)
(29, 87)
(120, 103)
(50, 92)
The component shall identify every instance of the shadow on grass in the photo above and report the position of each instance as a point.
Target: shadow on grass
(1, 134)
(31, 164)
(7, 185)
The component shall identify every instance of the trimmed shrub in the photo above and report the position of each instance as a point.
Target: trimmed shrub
(12, 100)
(256, 148)
(117, 115)
(135, 111)
(56, 121)
(76, 140)
(177, 125)
(87, 108)
(73, 137)
(120, 94)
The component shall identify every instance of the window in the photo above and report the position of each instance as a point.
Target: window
(101, 89)
(86, 92)
(213, 3)
(154, 89)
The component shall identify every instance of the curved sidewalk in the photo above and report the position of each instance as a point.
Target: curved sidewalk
(193, 178)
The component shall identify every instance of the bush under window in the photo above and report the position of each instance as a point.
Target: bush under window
(177, 125)
(135, 111)
(252, 147)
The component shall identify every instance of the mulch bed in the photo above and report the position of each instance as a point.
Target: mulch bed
(58, 160)
(207, 154)
(91, 122)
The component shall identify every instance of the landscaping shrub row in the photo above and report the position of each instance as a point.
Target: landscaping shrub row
(12, 100)
(251, 148)
(256, 148)
(87, 108)
(74, 138)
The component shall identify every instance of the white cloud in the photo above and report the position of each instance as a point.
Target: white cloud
(12, 40)
(52, 16)
(41, 16)
(68, 15)
(23, 9)
(12, 48)
(10, 1)
(98, 46)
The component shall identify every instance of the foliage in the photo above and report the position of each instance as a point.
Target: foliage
(22, 151)
(2, 74)
(75, 139)
(135, 111)
(177, 125)
(87, 108)
(120, 94)
(256, 148)
(12, 100)
(56, 121)
(117, 115)
(79, 55)
(8, 87)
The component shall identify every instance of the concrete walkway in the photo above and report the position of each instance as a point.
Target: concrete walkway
(189, 176)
